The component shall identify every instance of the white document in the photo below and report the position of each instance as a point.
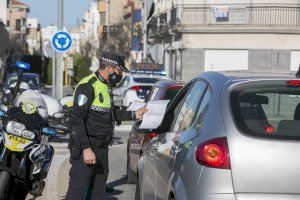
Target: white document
(136, 105)
(155, 114)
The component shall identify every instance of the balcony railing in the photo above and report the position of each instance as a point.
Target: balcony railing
(240, 15)
(244, 16)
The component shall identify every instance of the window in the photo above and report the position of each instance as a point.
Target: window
(18, 25)
(102, 18)
(267, 111)
(171, 92)
(154, 93)
(189, 107)
(201, 111)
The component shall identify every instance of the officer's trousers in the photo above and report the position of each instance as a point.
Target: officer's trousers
(81, 175)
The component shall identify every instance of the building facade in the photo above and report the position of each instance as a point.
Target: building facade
(222, 35)
(17, 19)
(33, 39)
(3, 11)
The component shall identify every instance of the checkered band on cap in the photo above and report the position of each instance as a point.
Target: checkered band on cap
(109, 61)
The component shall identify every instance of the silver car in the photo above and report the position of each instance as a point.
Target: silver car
(229, 138)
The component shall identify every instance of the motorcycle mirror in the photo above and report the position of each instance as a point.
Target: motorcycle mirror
(58, 115)
(49, 131)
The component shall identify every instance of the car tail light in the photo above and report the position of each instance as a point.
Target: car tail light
(293, 82)
(152, 135)
(269, 130)
(213, 153)
(136, 88)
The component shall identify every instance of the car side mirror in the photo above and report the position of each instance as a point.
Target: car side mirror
(49, 131)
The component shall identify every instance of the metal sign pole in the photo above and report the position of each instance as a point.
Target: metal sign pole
(53, 75)
(59, 56)
(145, 32)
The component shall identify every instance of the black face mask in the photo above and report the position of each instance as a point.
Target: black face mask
(114, 79)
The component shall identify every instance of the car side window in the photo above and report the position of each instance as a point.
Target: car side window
(153, 93)
(186, 115)
(202, 110)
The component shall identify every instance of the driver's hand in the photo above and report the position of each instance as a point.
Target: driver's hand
(89, 157)
(139, 113)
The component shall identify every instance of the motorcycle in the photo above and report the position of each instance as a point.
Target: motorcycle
(25, 154)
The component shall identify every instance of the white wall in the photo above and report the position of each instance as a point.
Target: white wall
(32, 23)
(223, 60)
(237, 1)
(241, 41)
(3, 11)
(295, 60)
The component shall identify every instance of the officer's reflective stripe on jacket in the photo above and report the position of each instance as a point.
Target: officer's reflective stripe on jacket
(92, 102)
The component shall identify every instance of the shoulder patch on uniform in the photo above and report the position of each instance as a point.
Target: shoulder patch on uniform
(82, 99)
(101, 98)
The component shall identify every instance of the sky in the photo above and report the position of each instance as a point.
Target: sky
(46, 11)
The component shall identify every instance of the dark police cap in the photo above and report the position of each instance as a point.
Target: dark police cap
(114, 60)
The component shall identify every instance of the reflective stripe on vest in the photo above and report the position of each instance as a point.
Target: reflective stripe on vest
(101, 91)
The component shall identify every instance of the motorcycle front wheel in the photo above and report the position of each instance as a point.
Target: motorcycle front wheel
(4, 184)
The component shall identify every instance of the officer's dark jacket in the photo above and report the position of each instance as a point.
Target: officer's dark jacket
(92, 110)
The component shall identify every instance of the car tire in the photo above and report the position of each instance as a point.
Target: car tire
(137, 191)
(131, 176)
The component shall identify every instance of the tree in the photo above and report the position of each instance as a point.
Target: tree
(9, 49)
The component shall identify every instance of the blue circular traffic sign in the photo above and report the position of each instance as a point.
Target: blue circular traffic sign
(61, 41)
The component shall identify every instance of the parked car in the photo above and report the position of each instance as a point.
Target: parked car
(162, 90)
(32, 79)
(136, 86)
(226, 137)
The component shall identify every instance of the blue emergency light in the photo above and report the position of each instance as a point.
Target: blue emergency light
(22, 65)
(152, 72)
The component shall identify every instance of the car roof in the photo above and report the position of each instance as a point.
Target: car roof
(237, 76)
(167, 83)
(25, 74)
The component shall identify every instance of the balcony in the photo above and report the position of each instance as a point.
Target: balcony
(231, 17)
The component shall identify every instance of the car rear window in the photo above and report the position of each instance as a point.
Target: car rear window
(171, 92)
(31, 80)
(146, 80)
(268, 111)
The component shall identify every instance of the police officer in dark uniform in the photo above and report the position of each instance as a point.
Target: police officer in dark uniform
(93, 119)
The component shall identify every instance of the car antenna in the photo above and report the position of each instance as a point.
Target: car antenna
(298, 72)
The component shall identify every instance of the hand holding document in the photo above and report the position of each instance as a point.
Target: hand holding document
(155, 114)
(136, 105)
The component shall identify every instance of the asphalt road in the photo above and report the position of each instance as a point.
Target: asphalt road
(58, 178)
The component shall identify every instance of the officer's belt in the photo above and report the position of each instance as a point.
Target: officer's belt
(100, 109)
